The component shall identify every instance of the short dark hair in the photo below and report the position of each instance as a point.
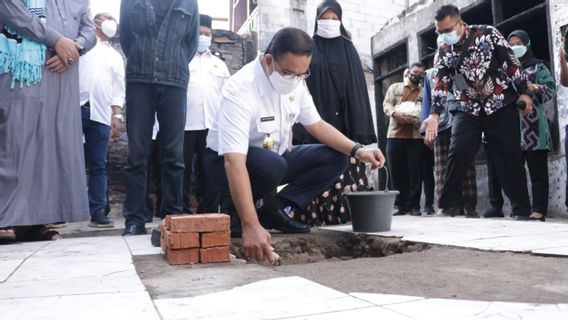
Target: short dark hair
(290, 40)
(417, 65)
(448, 10)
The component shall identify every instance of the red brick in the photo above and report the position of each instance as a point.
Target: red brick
(216, 254)
(189, 240)
(169, 220)
(173, 240)
(216, 239)
(182, 256)
(162, 237)
(200, 223)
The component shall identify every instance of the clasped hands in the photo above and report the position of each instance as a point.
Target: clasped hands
(66, 55)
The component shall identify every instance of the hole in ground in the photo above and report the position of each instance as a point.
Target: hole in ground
(324, 244)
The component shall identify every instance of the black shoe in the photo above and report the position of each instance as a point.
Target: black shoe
(521, 218)
(272, 218)
(100, 220)
(415, 212)
(133, 230)
(156, 237)
(451, 212)
(400, 213)
(494, 213)
(429, 210)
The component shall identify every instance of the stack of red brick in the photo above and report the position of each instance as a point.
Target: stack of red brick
(201, 238)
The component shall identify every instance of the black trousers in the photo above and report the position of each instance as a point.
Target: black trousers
(194, 144)
(307, 169)
(537, 162)
(502, 134)
(427, 175)
(405, 162)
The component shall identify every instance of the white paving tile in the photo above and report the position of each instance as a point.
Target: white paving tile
(7, 267)
(384, 299)
(127, 281)
(94, 246)
(357, 314)
(19, 251)
(141, 245)
(270, 299)
(119, 306)
(556, 251)
(437, 309)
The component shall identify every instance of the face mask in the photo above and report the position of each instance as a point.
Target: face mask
(416, 79)
(450, 38)
(204, 43)
(282, 85)
(108, 27)
(329, 29)
(519, 50)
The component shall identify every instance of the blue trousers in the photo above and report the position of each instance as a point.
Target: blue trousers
(143, 102)
(96, 157)
(307, 169)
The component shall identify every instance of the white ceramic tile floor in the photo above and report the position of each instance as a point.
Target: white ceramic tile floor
(556, 251)
(384, 299)
(270, 299)
(357, 314)
(483, 234)
(7, 267)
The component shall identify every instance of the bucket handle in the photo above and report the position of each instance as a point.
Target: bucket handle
(387, 179)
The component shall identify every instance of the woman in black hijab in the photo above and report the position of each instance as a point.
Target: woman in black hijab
(339, 89)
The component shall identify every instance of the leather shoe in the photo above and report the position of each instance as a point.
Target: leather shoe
(272, 218)
(429, 210)
(415, 212)
(521, 218)
(451, 212)
(133, 230)
(400, 213)
(494, 213)
(156, 237)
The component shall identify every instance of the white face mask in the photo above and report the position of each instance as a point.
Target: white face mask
(204, 43)
(109, 27)
(328, 29)
(450, 38)
(519, 50)
(283, 85)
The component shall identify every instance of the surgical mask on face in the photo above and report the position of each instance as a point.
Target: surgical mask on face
(109, 27)
(450, 38)
(204, 43)
(283, 85)
(519, 50)
(329, 29)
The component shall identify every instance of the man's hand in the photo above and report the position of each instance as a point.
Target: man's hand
(256, 243)
(374, 156)
(528, 103)
(116, 128)
(68, 50)
(430, 126)
(56, 64)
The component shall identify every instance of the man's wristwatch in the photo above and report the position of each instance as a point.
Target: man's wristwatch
(118, 116)
(356, 147)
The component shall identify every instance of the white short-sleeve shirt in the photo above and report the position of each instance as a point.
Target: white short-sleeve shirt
(251, 110)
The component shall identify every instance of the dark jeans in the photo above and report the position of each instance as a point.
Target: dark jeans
(96, 158)
(143, 102)
(154, 181)
(194, 145)
(502, 133)
(427, 175)
(537, 162)
(405, 161)
(308, 169)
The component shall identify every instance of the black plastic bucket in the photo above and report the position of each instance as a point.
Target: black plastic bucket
(371, 211)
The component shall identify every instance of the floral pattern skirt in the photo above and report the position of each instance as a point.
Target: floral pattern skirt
(330, 207)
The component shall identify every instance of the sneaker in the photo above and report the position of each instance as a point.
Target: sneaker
(429, 210)
(100, 220)
(56, 225)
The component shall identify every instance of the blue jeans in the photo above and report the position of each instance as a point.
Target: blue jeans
(143, 102)
(308, 170)
(96, 157)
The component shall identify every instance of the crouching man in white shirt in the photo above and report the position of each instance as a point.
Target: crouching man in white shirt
(249, 145)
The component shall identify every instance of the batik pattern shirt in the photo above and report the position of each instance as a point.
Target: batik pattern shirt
(489, 67)
(535, 131)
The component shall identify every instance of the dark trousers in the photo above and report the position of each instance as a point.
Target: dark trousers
(96, 159)
(502, 132)
(154, 181)
(427, 175)
(405, 162)
(194, 145)
(143, 102)
(537, 162)
(307, 169)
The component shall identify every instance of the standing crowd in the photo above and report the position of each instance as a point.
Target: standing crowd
(298, 116)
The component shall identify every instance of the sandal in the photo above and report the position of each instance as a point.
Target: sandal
(7, 235)
(36, 233)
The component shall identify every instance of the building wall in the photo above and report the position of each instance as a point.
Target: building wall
(407, 25)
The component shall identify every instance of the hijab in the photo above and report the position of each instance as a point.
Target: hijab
(528, 60)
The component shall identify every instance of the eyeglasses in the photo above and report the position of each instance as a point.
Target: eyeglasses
(289, 75)
(448, 30)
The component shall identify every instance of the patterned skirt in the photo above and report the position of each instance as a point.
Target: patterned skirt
(330, 207)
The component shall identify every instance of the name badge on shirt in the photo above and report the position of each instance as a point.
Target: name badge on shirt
(266, 119)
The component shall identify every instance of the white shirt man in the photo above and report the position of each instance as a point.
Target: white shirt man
(102, 91)
(249, 150)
